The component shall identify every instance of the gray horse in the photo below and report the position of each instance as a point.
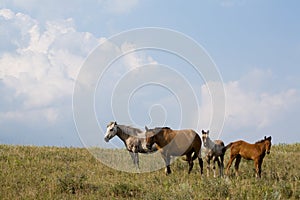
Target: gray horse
(214, 151)
(133, 138)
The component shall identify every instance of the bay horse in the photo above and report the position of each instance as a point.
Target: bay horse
(214, 152)
(256, 152)
(133, 138)
(175, 143)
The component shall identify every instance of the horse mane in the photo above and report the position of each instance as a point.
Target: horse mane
(109, 124)
(260, 141)
(158, 129)
(129, 130)
(165, 127)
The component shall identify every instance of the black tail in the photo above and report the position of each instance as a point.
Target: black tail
(226, 147)
(194, 156)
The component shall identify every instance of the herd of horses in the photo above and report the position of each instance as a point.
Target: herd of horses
(188, 143)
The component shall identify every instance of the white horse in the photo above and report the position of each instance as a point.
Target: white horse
(214, 151)
(133, 138)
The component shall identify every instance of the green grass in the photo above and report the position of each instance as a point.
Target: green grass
(28, 172)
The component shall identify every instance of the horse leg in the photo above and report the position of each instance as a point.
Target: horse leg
(214, 165)
(259, 168)
(208, 165)
(232, 157)
(167, 159)
(137, 160)
(132, 157)
(222, 165)
(219, 165)
(190, 161)
(200, 162)
(258, 164)
(237, 163)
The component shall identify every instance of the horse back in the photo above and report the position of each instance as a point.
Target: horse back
(191, 134)
(245, 149)
(195, 139)
(182, 141)
(219, 143)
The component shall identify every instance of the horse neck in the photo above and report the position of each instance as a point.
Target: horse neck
(122, 135)
(210, 143)
(160, 139)
(262, 146)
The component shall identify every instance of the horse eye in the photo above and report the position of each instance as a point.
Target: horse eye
(111, 129)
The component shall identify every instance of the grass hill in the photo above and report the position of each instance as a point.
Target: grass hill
(28, 172)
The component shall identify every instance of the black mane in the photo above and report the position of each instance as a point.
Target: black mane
(160, 128)
(260, 141)
(266, 138)
(166, 127)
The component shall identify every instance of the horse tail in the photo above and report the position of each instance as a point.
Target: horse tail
(195, 156)
(226, 147)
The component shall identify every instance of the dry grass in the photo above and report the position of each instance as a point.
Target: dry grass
(28, 172)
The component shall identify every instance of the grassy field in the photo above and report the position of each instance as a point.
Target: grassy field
(72, 173)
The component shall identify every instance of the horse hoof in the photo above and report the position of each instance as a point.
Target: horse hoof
(168, 172)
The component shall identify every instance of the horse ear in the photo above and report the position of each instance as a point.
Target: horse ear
(207, 132)
(269, 138)
(203, 132)
(115, 123)
(146, 128)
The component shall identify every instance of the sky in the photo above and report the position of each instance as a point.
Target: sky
(254, 45)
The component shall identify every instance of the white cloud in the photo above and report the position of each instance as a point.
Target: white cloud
(42, 69)
(6, 14)
(49, 115)
(39, 62)
(259, 110)
(135, 59)
(40, 72)
(252, 104)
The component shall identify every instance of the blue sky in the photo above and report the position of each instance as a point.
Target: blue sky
(254, 44)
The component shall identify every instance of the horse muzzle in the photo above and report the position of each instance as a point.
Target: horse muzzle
(106, 139)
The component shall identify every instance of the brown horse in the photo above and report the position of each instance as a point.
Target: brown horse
(256, 152)
(175, 143)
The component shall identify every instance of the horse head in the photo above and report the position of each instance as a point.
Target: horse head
(268, 144)
(204, 137)
(149, 137)
(111, 131)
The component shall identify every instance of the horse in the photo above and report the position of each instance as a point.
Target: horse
(256, 152)
(133, 138)
(214, 151)
(175, 143)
